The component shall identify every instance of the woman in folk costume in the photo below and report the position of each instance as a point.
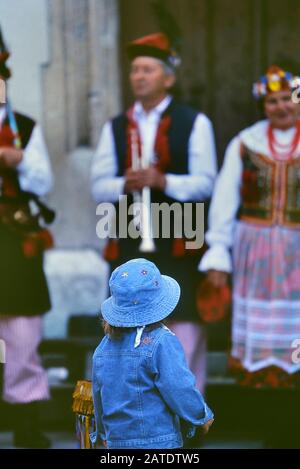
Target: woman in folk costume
(179, 142)
(255, 213)
(25, 174)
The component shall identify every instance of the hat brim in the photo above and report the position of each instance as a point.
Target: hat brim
(140, 50)
(149, 314)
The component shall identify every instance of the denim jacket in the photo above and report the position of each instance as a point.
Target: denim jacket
(142, 393)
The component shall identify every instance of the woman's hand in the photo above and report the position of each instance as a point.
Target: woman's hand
(217, 278)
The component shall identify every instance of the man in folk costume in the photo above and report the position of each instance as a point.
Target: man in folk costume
(24, 174)
(179, 143)
(254, 232)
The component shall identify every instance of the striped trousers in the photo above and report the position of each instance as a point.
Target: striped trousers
(25, 380)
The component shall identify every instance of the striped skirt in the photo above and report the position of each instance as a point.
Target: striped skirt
(25, 380)
(266, 301)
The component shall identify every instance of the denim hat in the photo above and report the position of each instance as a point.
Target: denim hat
(140, 295)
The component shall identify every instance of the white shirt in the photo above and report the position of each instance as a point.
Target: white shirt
(34, 170)
(202, 166)
(226, 198)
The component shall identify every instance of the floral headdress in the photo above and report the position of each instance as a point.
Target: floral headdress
(275, 79)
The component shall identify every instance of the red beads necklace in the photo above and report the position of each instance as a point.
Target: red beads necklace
(287, 149)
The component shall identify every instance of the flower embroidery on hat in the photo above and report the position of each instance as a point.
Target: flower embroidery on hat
(140, 295)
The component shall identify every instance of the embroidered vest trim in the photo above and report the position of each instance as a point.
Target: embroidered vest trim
(270, 190)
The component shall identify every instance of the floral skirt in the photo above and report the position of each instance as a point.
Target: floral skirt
(271, 377)
(266, 299)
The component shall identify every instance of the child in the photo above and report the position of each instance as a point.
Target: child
(142, 388)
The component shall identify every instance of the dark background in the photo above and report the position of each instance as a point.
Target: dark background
(227, 45)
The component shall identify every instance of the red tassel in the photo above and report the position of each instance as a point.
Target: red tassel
(178, 247)
(38, 242)
(30, 247)
(111, 251)
(46, 239)
(9, 188)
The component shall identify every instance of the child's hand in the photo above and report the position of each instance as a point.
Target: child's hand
(205, 428)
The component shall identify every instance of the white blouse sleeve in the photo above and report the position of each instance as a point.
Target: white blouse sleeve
(106, 186)
(34, 170)
(223, 210)
(202, 165)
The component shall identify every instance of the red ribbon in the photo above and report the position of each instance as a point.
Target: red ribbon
(161, 146)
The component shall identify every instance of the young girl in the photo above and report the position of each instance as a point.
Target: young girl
(143, 391)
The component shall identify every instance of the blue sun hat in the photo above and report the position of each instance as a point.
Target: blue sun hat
(140, 295)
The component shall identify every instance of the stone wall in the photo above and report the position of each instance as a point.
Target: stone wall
(66, 75)
(81, 90)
